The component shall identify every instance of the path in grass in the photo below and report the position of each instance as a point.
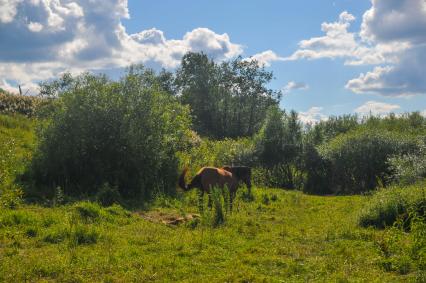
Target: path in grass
(285, 236)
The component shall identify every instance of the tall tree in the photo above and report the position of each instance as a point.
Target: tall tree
(229, 99)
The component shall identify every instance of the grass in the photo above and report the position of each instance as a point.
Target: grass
(280, 236)
(393, 204)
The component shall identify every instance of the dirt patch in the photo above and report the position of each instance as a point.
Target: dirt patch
(167, 218)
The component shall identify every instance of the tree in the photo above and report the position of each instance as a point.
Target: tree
(279, 147)
(229, 99)
(124, 133)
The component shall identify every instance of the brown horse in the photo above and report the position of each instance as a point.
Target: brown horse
(210, 177)
(242, 173)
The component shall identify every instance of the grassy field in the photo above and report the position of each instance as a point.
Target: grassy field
(281, 236)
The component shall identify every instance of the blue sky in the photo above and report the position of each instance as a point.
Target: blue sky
(329, 57)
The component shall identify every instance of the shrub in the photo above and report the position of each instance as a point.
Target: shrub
(125, 133)
(29, 106)
(409, 168)
(391, 204)
(358, 160)
(278, 147)
(108, 195)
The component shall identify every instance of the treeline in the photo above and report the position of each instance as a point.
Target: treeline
(129, 138)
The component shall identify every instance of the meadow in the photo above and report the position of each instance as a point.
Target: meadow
(281, 236)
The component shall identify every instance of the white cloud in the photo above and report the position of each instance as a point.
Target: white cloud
(42, 38)
(376, 108)
(392, 35)
(338, 42)
(35, 27)
(312, 116)
(290, 86)
(266, 58)
(8, 10)
(401, 23)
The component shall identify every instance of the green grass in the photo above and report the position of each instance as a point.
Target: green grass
(397, 203)
(281, 236)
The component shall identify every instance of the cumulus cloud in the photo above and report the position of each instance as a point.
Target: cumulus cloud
(266, 58)
(338, 42)
(312, 116)
(395, 22)
(376, 108)
(42, 38)
(392, 36)
(290, 86)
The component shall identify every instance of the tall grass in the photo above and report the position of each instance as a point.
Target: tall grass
(391, 204)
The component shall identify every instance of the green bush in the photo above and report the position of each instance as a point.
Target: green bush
(108, 195)
(278, 148)
(125, 133)
(391, 204)
(409, 168)
(358, 160)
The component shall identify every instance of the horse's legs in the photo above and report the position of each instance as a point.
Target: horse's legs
(232, 194)
(201, 201)
(209, 203)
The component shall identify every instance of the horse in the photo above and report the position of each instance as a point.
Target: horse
(210, 177)
(242, 173)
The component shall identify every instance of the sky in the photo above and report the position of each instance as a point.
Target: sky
(329, 57)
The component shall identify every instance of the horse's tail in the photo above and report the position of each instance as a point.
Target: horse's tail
(182, 179)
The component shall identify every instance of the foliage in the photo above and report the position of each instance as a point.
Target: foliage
(30, 106)
(358, 159)
(389, 205)
(409, 168)
(126, 133)
(229, 99)
(278, 148)
(108, 195)
(206, 152)
(16, 144)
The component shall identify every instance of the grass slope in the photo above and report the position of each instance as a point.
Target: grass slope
(293, 238)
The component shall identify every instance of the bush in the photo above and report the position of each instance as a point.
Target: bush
(108, 195)
(409, 168)
(358, 160)
(29, 106)
(278, 148)
(392, 204)
(125, 133)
